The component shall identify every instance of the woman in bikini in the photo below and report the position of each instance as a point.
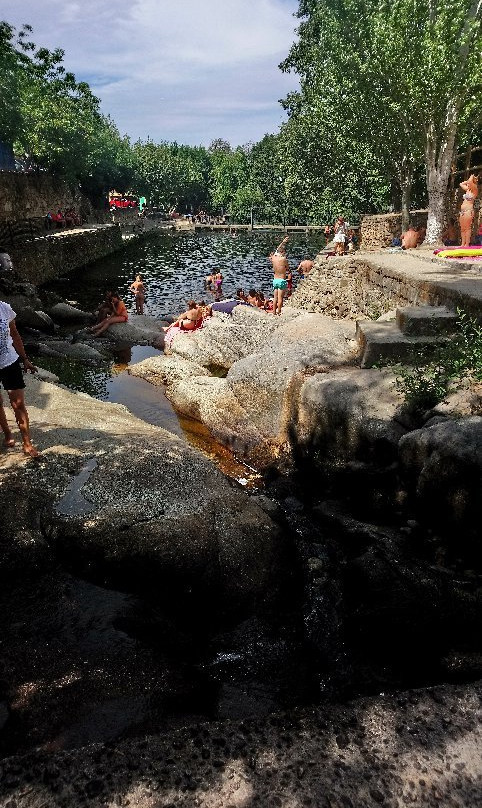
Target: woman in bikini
(471, 189)
(119, 315)
(139, 291)
(189, 320)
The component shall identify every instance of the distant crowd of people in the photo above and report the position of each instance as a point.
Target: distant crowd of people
(58, 219)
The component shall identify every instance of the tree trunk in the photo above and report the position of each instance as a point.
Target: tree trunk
(406, 178)
(437, 191)
(406, 195)
(395, 194)
(438, 167)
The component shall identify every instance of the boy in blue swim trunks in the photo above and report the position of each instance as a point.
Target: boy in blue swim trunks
(280, 269)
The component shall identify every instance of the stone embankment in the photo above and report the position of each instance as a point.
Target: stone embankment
(369, 284)
(28, 195)
(61, 253)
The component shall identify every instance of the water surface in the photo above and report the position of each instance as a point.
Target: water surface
(174, 266)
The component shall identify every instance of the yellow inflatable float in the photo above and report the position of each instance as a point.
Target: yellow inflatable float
(459, 252)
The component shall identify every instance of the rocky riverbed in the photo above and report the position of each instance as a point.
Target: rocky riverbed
(417, 748)
(141, 590)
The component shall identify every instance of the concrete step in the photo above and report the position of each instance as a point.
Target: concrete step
(379, 341)
(430, 321)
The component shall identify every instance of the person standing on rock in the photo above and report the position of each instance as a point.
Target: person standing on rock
(280, 269)
(139, 291)
(11, 352)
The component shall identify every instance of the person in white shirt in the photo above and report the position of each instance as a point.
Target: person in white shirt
(11, 377)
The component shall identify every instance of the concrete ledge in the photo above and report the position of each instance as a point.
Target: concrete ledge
(60, 253)
(423, 281)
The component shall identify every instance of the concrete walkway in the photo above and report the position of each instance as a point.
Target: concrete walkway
(433, 281)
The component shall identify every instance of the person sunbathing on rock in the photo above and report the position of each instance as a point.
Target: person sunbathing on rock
(189, 320)
(118, 315)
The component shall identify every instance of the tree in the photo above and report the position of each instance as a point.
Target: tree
(404, 75)
(13, 50)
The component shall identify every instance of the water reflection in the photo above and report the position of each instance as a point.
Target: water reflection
(174, 267)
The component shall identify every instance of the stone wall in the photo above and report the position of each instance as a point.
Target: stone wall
(364, 287)
(378, 231)
(48, 258)
(347, 288)
(24, 196)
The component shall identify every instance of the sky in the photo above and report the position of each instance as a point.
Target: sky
(190, 71)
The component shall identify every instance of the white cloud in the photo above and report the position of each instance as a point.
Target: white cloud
(189, 71)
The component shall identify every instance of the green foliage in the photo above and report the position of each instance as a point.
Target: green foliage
(55, 120)
(386, 87)
(426, 381)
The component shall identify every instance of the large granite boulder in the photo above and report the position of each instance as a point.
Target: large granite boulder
(77, 350)
(160, 370)
(31, 318)
(139, 507)
(64, 313)
(252, 408)
(210, 400)
(443, 469)
(140, 329)
(350, 414)
(224, 339)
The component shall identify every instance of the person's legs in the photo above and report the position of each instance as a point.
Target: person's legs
(8, 437)
(466, 220)
(17, 400)
(99, 329)
(281, 294)
(275, 300)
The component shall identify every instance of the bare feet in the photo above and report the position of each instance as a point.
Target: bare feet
(31, 451)
(9, 442)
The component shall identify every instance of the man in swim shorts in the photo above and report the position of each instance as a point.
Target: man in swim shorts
(280, 269)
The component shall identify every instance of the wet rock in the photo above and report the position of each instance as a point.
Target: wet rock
(47, 376)
(78, 351)
(31, 318)
(64, 313)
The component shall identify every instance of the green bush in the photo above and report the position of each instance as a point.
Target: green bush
(431, 373)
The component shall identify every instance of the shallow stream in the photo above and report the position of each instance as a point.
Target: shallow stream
(173, 267)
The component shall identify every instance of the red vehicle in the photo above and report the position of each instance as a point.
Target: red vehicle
(120, 201)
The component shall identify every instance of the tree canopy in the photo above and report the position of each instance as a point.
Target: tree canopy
(388, 90)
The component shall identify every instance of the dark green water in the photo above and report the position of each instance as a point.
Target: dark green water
(174, 266)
